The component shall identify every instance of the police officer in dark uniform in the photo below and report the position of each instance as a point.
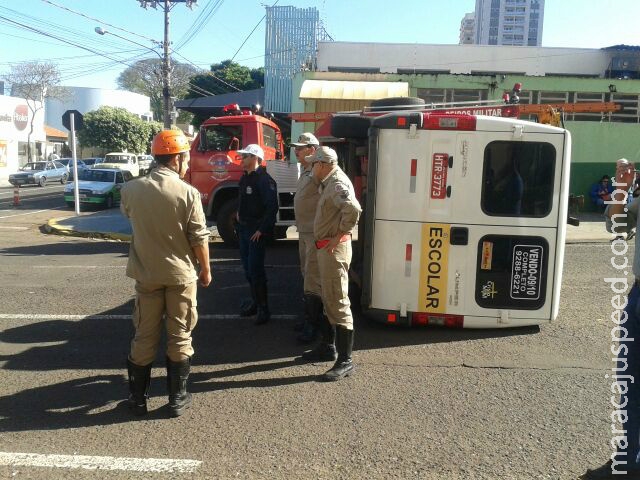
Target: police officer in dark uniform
(256, 218)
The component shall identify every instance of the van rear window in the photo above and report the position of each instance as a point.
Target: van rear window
(517, 179)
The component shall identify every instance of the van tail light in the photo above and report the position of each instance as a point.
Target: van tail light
(450, 122)
(392, 318)
(442, 320)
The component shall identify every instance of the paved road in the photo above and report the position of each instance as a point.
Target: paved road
(425, 403)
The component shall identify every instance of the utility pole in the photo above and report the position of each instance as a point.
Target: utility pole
(166, 5)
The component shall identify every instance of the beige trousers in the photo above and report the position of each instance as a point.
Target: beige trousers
(309, 264)
(177, 305)
(334, 278)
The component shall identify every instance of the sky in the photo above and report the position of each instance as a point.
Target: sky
(567, 23)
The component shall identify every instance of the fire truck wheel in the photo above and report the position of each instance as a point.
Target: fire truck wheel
(225, 222)
(397, 103)
(350, 126)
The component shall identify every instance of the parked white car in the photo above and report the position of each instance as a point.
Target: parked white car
(122, 161)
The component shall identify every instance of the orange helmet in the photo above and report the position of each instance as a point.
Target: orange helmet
(169, 142)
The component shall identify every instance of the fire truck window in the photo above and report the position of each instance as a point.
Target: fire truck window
(223, 138)
(269, 137)
(517, 179)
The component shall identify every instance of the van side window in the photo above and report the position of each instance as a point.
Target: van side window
(119, 178)
(517, 179)
(269, 138)
(223, 137)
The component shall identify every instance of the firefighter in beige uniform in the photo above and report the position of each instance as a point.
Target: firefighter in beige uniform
(169, 235)
(336, 217)
(304, 205)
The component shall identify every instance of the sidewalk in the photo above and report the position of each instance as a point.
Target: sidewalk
(112, 225)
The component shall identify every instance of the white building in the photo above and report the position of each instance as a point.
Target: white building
(86, 99)
(467, 29)
(410, 58)
(509, 22)
(15, 119)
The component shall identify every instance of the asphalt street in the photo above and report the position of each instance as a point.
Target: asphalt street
(424, 403)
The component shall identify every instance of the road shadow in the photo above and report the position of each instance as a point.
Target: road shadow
(72, 249)
(231, 352)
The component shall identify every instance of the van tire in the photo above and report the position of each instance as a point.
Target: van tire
(225, 222)
(350, 126)
(397, 103)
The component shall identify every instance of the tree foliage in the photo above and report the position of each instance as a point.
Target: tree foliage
(117, 130)
(35, 82)
(229, 74)
(145, 77)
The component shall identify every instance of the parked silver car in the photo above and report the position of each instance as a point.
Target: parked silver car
(39, 173)
(81, 167)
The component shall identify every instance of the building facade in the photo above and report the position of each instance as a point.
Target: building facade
(86, 99)
(15, 121)
(509, 22)
(467, 29)
(473, 73)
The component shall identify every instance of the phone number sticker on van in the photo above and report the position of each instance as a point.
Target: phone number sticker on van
(439, 168)
(526, 273)
(434, 256)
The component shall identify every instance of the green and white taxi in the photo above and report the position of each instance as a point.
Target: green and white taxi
(98, 187)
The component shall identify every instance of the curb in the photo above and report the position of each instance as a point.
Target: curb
(54, 228)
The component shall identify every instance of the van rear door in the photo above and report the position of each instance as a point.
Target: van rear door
(468, 222)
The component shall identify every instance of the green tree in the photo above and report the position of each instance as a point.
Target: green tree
(145, 77)
(226, 76)
(117, 130)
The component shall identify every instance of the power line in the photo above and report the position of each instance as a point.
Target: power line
(207, 72)
(199, 23)
(63, 31)
(251, 33)
(98, 20)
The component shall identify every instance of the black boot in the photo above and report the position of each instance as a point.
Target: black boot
(312, 313)
(139, 382)
(262, 300)
(325, 351)
(344, 364)
(250, 306)
(177, 375)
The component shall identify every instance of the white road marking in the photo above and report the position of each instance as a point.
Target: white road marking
(49, 316)
(13, 228)
(31, 199)
(39, 189)
(79, 266)
(88, 462)
(29, 213)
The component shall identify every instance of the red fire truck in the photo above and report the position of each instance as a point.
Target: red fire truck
(215, 168)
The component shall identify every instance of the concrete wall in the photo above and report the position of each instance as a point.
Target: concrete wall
(86, 100)
(462, 59)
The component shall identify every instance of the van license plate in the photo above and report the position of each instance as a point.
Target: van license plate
(439, 168)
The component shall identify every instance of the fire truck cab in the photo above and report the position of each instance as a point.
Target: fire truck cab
(215, 168)
(464, 218)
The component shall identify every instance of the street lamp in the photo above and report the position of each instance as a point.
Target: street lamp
(166, 83)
